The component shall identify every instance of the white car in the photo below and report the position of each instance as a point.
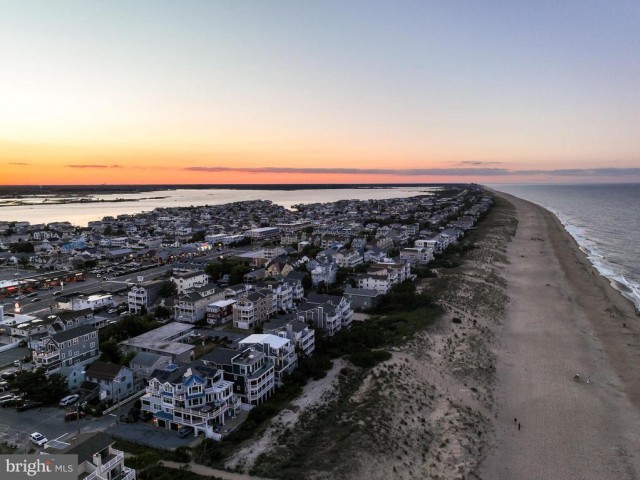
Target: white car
(69, 399)
(38, 439)
(113, 310)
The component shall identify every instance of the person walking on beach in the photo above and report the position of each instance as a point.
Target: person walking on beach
(518, 426)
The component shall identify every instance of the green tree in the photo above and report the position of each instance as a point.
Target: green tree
(214, 270)
(306, 282)
(21, 247)
(36, 386)
(110, 351)
(162, 312)
(197, 236)
(126, 359)
(90, 264)
(237, 272)
(168, 289)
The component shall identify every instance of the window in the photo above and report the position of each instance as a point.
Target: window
(93, 344)
(63, 356)
(75, 341)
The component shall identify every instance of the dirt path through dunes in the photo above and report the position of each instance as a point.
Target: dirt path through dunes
(211, 472)
(562, 319)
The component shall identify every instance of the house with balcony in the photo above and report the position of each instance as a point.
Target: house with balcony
(361, 298)
(142, 297)
(282, 290)
(383, 276)
(433, 243)
(192, 306)
(116, 381)
(253, 308)
(279, 349)
(196, 395)
(65, 349)
(378, 282)
(220, 312)
(295, 280)
(300, 334)
(349, 258)
(331, 313)
(28, 328)
(252, 373)
(323, 271)
(97, 458)
(416, 255)
(189, 280)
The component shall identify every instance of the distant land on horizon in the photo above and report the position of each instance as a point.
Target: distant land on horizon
(76, 189)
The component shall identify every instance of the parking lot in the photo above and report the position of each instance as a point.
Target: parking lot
(47, 420)
(9, 356)
(16, 426)
(150, 435)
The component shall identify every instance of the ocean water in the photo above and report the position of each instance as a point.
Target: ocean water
(603, 219)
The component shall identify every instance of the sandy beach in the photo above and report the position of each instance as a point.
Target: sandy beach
(563, 318)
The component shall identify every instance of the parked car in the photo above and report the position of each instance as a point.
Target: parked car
(38, 439)
(28, 405)
(11, 402)
(185, 431)
(6, 397)
(34, 300)
(10, 375)
(113, 310)
(69, 399)
(73, 415)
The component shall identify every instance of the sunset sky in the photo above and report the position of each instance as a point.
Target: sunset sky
(319, 91)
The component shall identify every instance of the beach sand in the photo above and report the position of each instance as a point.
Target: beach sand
(563, 318)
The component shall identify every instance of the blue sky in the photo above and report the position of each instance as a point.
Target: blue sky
(417, 86)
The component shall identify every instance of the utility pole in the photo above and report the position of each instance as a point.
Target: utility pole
(78, 413)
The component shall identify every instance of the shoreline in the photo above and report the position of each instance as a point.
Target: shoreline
(82, 200)
(625, 289)
(563, 318)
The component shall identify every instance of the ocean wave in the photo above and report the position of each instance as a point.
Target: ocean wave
(606, 268)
